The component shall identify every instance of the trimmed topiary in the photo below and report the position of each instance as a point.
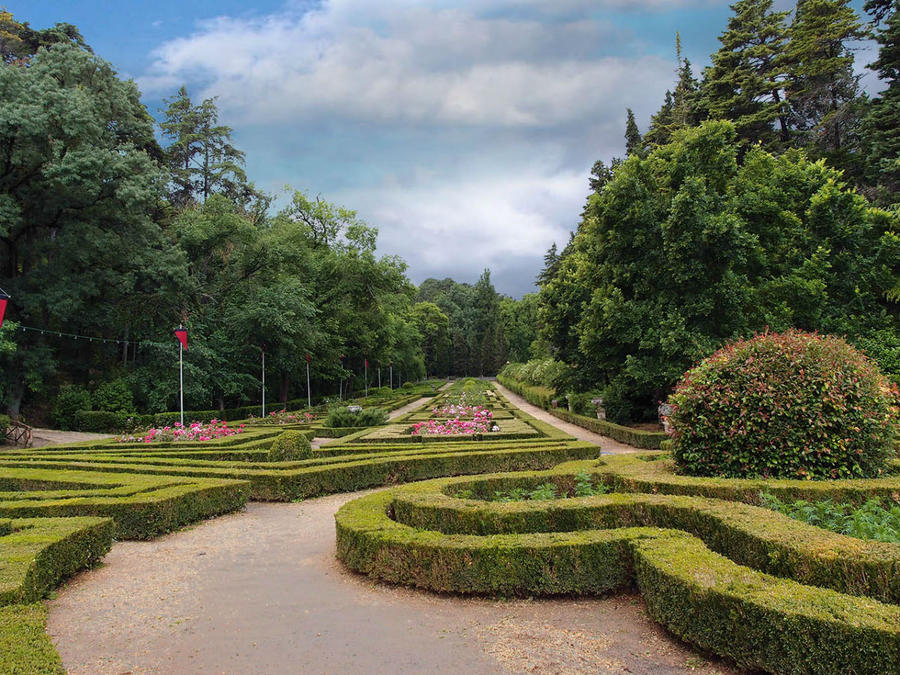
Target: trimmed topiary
(290, 445)
(790, 405)
(348, 417)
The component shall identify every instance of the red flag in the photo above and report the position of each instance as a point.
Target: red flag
(367, 363)
(181, 334)
(307, 358)
(3, 299)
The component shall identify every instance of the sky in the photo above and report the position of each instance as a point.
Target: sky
(464, 131)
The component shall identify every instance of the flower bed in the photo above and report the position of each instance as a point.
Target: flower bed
(466, 420)
(196, 432)
(283, 417)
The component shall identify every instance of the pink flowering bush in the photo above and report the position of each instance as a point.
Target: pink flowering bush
(196, 432)
(284, 417)
(789, 405)
(478, 420)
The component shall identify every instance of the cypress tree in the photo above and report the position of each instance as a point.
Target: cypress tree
(634, 144)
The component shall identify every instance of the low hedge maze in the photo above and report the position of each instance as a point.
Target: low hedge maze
(730, 577)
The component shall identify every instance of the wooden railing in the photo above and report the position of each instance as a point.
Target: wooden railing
(18, 434)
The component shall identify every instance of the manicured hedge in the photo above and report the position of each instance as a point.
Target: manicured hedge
(647, 440)
(541, 397)
(757, 537)
(141, 506)
(290, 445)
(25, 647)
(654, 472)
(757, 619)
(315, 477)
(38, 553)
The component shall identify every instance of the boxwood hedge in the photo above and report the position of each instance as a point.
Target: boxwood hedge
(731, 578)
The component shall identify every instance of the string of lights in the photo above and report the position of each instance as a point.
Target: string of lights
(86, 338)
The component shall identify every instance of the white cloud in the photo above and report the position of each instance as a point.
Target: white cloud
(514, 107)
(442, 227)
(418, 65)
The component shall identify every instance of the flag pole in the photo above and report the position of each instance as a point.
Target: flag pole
(308, 390)
(181, 376)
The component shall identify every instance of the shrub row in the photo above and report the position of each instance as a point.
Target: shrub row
(655, 473)
(647, 440)
(749, 535)
(311, 478)
(100, 421)
(759, 620)
(141, 506)
(542, 397)
(25, 647)
(38, 553)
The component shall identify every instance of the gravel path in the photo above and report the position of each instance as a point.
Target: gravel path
(261, 592)
(44, 437)
(606, 444)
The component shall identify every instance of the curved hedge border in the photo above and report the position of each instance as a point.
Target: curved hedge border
(654, 472)
(36, 554)
(141, 506)
(757, 619)
(320, 476)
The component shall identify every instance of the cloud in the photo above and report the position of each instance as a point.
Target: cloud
(464, 131)
(416, 65)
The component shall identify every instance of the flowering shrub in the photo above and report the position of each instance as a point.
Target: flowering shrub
(284, 417)
(195, 432)
(450, 427)
(481, 421)
(791, 405)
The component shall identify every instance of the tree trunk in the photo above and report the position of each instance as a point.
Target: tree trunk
(17, 391)
(285, 385)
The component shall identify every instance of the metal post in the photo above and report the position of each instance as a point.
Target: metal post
(392, 376)
(379, 377)
(181, 377)
(308, 391)
(263, 382)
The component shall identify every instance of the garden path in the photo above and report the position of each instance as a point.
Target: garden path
(42, 437)
(260, 591)
(606, 444)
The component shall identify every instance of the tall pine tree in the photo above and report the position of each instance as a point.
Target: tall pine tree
(744, 82)
(634, 144)
(882, 124)
(821, 85)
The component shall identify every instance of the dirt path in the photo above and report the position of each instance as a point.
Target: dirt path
(582, 434)
(44, 437)
(261, 592)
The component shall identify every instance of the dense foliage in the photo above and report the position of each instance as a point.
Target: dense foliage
(688, 247)
(345, 416)
(747, 204)
(793, 405)
(876, 520)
